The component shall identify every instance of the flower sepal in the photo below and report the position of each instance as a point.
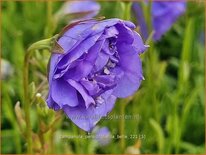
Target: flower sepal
(51, 44)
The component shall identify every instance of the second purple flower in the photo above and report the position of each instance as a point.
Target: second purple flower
(163, 15)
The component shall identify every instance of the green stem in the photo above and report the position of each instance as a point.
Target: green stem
(127, 10)
(122, 126)
(147, 15)
(76, 141)
(43, 44)
(50, 24)
(26, 102)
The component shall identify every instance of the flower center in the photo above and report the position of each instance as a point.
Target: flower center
(104, 79)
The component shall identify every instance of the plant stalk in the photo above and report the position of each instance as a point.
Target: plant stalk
(122, 126)
(43, 44)
(26, 102)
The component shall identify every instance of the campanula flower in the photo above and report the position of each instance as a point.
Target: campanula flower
(103, 136)
(100, 63)
(163, 15)
(138, 12)
(78, 10)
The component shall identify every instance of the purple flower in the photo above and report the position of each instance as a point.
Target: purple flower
(100, 63)
(164, 14)
(136, 8)
(78, 10)
(103, 136)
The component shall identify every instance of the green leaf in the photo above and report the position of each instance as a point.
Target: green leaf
(160, 135)
(184, 68)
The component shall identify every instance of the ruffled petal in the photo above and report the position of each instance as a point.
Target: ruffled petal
(105, 80)
(138, 43)
(52, 66)
(131, 73)
(125, 34)
(129, 24)
(85, 66)
(73, 37)
(111, 32)
(129, 60)
(88, 100)
(86, 119)
(127, 85)
(63, 93)
(90, 86)
(101, 61)
(52, 104)
(78, 51)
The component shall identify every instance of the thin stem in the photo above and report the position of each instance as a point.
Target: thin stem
(43, 44)
(147, 15)
(52, 141)
(41, 137)
(76, 140)
(122, 126)
(127, 10)
(26, 102)
(50, 23)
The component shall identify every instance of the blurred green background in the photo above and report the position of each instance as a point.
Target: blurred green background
(170, 102)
